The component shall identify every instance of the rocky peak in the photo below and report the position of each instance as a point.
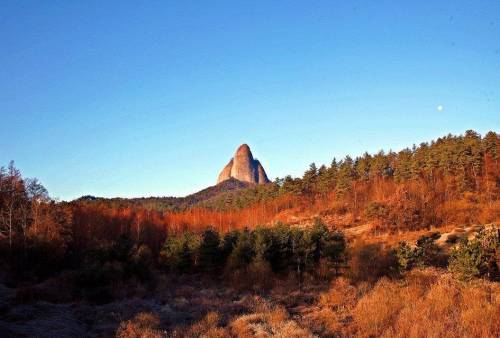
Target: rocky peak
(244, 149)
(244, 167)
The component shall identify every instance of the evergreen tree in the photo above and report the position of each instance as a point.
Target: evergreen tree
(309, 179)
(402, 171)
(362, 166)
(490, 143)
(265, 248)
(318, 236)
(323, 185)
(228, 243)
(346, 175)
(244, 251)
(280, 257)
(178, 252)
(301, 252)
(209, 258)
(379, 165)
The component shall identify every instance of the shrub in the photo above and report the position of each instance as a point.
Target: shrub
(207, 327)
(369, 262)
(426, 303)
(425, 253)
(106, 266)
(377, 310)
(377, 211)
(143, 325)
(446, 308)
(476, 257)
(405, 255)
(259, 275)
(271, 322)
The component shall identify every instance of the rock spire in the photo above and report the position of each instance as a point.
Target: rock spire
(244, 167)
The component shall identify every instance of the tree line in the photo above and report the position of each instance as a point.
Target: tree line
(27, 213)
(456, 164)
(280, 248)
(464, 163)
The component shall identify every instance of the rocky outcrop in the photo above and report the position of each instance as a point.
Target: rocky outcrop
(244, 167)
(225, 174)
(261, 173)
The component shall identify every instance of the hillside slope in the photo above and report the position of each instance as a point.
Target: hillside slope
(169, 202)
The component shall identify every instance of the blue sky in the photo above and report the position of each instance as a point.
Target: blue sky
(132, 98)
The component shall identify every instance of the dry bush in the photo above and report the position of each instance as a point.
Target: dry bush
(370, 261)
(341, 296)
(421, 279)
(490, 212)
(143, 325)
(269, 323)
(324, 272)
(461, 211)
(334, 309)
(260, 276)
(338, 207)
(325, 322)
(258, 304)
(257, 277)
(207, 327)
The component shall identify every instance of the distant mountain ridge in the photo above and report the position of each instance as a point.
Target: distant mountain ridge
(242, 172)
(172, 203)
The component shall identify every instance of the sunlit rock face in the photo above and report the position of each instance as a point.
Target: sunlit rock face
(244, 167)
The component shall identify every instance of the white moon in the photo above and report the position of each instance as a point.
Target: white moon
(440, 107)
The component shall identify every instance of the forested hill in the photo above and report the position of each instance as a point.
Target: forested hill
(457, 164)
(167, 203)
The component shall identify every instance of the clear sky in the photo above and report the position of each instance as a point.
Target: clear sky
(141, 98)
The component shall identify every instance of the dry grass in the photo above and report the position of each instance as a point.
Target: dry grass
(274, 322)
(144, 325)
(341, 296)
(207, 327)
(450, 309)
(377, 310)
(264, 321)
(426, 303)
(334, 308)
